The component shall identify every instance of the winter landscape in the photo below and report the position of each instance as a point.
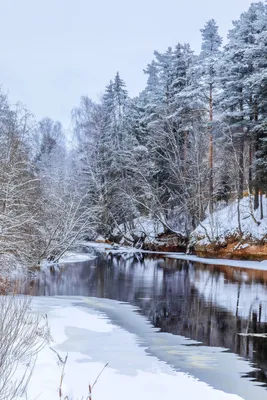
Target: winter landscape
(133, 233)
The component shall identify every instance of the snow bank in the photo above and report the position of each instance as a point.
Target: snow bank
(223, 223)
(77, 330)
(98, 245)
(141, 226)
(258, 265)
(72, 257)
(68, 257)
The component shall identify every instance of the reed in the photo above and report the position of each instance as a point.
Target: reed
(63, 362)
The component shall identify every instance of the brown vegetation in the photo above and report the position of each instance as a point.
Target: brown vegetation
(232, 249)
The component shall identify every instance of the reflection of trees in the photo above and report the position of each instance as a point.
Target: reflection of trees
(165, 291)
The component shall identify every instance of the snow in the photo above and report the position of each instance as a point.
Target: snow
(258, 265)
(72, 257)
(142, 225)
(100, 238)
(91, 340)
(68, 257)
(98, 245)
(224, 222)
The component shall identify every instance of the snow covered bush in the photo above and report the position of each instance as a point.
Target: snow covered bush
(22, 335)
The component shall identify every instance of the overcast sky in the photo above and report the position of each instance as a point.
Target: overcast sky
(54, 51)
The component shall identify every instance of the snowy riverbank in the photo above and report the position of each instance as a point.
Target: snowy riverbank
(233, 231)
(126, 251)
(91, 340)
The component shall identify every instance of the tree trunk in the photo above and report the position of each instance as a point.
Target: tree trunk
(257, 187)
(250, 168)
(241, 170)
(241, 154)
(239, 218)
(211, 151)
(256, 198)
(185, 148)
(261, 205)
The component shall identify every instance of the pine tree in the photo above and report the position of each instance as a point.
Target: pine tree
(240, 100)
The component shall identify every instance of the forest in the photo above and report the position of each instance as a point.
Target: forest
(194, 138)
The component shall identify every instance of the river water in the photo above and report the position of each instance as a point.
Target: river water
(210, 321)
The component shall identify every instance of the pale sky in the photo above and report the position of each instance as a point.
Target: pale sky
(54, 51)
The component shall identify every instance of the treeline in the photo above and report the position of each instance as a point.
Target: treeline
(195, 135)
(41, 211)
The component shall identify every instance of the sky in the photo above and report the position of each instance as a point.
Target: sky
(54, 51)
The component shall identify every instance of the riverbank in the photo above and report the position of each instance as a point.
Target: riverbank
(126, 251)
(233, 249)
(79, 329)
(233, 231)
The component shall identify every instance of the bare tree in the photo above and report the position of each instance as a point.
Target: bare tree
(23, 334)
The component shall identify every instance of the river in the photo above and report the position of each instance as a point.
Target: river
(210, 321)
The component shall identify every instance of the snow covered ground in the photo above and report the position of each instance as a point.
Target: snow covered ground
(91, 340)
(68, 257)
(224, 222)
(258, 265)
(72, 257)
(142, 225)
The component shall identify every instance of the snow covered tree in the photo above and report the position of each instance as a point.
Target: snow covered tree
(64, 218)
(49, 135)
(174, 122)
(195, 135)
(93, 160)
(208, 60)
(241, 70)
(18, 188)
(107, 134)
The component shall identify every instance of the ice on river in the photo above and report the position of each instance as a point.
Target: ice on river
(91, 340)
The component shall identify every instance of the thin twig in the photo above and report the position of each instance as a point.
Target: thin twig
(99, 375)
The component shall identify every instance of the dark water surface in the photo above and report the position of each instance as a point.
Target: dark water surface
(216, 306)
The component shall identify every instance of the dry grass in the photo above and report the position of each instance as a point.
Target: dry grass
(63, 362)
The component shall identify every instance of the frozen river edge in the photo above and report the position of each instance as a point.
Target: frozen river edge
(81, 328)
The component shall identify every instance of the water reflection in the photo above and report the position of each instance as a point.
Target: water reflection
(210, 304)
